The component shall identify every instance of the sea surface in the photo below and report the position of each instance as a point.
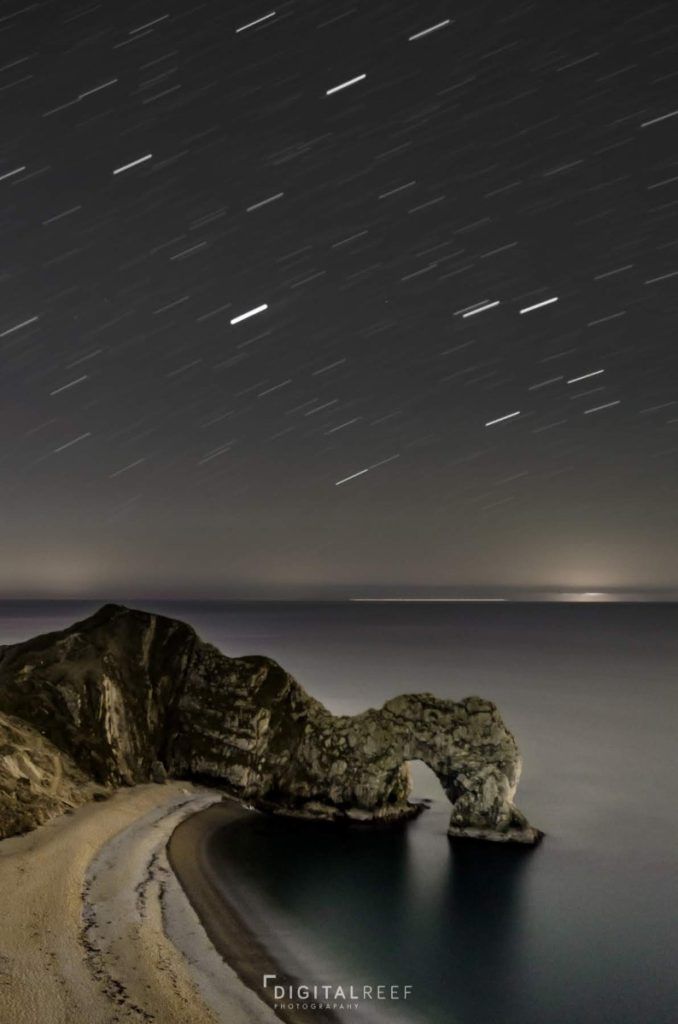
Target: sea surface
(582, 929)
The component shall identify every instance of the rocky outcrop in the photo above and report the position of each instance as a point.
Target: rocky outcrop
(126, 693)
(37, 781)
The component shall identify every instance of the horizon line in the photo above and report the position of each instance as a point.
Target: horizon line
(513, 594)
(425, 600)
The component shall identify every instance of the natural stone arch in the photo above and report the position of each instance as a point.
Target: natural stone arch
(125, 689)
(465, 744)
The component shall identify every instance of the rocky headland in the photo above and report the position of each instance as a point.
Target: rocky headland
(126, 697)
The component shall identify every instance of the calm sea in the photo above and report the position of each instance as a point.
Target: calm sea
(584, 928)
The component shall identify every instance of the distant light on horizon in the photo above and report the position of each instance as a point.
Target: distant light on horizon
(426, 600)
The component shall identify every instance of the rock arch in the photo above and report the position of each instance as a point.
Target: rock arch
(125, 689)
(465, 744)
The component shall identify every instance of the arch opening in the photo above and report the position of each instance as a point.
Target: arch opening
(425, 784)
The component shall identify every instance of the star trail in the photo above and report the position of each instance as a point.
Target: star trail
(277, 282)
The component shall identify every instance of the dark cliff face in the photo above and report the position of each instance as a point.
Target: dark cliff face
(124, 689)
(103, 690)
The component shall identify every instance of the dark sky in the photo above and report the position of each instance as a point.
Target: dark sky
(521, 158)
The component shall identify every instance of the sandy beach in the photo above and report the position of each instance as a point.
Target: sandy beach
(96, 929)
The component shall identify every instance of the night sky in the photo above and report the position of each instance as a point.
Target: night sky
(458, 225)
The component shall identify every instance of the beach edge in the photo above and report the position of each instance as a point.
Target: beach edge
(96, 920)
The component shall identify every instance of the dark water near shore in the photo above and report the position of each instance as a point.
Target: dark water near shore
(584, 928)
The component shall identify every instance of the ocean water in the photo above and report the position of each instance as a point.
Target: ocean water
(583, 928)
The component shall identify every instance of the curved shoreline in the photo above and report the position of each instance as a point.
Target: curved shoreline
(114, 912)
(228, 931)
(96, 927)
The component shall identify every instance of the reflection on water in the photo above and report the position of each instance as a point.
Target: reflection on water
(483, 911)
(397, 905)
(482, 932)
(400, 905)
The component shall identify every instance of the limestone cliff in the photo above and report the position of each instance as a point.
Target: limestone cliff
(126, 689)
(37, 781)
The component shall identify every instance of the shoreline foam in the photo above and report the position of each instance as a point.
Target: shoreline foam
(95, 920)
(225, 925)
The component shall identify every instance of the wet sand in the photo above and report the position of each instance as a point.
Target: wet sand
(228, 932)
(95, 927)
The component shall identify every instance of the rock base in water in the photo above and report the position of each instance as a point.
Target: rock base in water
(125, 696)
(526, 836)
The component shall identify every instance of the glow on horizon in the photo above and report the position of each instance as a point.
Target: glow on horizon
(565, 596)
(426, 600)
